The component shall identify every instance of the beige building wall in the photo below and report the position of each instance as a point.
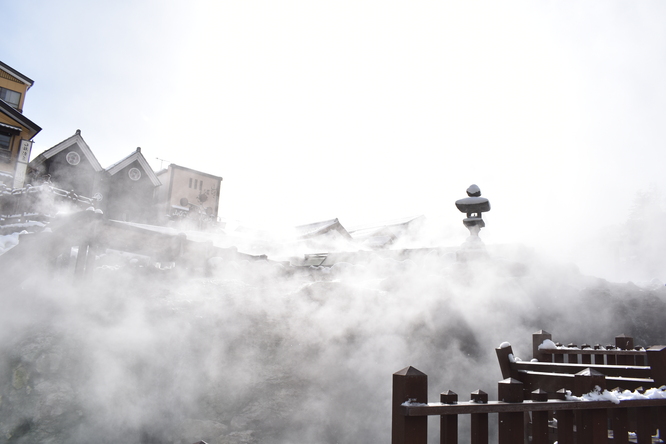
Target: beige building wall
(12, 83)
(16, 136)
(184, 190)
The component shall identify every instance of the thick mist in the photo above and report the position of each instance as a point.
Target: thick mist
(267, 352)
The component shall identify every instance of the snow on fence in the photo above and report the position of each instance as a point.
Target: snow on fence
(592, 418)
(44, 200)
(623, 352)
(554, 365)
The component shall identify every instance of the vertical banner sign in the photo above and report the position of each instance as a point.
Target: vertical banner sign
(22, 163)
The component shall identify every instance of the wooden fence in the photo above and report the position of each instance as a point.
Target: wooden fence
(623, 352)
(520, 420)
(625, 366)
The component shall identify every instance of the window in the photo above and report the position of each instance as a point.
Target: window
(196, 183)
(200, 185)
(134, 174)
(73, 158)
(11, 97)
(190, 182)
(5, 146)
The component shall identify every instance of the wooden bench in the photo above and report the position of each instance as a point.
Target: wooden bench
(554, 366)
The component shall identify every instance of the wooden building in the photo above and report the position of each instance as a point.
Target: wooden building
(16, 130)
(130, 187)
(69, 165)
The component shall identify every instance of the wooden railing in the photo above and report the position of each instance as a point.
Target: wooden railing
(519, 420)
(625, 366)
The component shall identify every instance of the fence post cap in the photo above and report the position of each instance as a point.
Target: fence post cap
(541, 332)
(539, 395)
(589, 372)
(479, 396)
(448, 397)
(409, 371)
(510, 381)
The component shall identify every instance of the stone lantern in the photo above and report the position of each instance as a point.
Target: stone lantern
(473, 206)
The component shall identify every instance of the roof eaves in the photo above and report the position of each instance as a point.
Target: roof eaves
(76, 138)
(7, 109)
(135, 156)
(9, 70)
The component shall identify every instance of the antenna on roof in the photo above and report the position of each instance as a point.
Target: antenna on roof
(162, 162)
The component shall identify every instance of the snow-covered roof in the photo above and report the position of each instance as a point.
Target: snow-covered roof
(77, 140)
(136, 156)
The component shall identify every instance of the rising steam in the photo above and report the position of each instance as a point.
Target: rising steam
(264, 351)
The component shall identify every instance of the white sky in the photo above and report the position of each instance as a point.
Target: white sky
(364, 110)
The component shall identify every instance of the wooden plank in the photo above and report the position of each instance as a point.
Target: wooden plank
(527, 406)
(593, 427)
(644, 427)
(620, 425)
(631, 371)
(565, 427)
(592, 351)
(479, 428)
(539, 427)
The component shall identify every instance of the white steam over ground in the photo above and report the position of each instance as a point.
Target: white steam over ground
(265, 352)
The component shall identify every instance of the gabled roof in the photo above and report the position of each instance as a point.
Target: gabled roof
(9, 111)
(319, 228)
(17, 75)
(75, 139)
(136, 156)
(384, 234)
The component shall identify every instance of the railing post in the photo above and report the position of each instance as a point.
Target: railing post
(504, 362)
(511, 425)
(565, 421)
(537, 339)
(625, 343)
(620, 425)
(572, 358)
(539, 419)
(656, 357)
(585, 359)
(593, 425)
(448, 424)
(479, 421)
(644, 429)
(409, 384)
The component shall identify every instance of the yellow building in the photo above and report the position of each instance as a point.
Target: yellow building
(187, 193)
(16, 130)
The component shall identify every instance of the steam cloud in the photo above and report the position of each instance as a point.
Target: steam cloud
(265, 352)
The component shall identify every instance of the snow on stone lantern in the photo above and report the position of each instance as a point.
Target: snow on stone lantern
(473, 206)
